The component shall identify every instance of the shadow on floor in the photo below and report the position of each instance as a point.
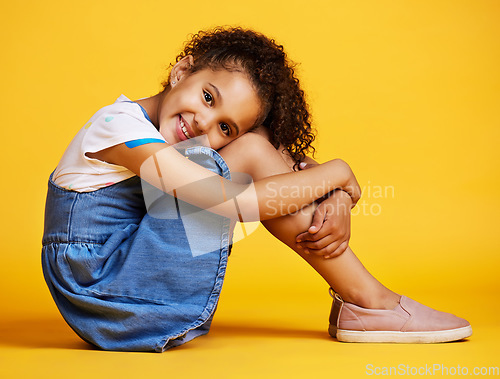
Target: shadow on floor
(56, 334)
(40, 333)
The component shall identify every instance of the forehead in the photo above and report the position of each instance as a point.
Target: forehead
(238, 98)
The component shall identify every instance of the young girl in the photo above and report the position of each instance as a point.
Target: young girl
(138, 265)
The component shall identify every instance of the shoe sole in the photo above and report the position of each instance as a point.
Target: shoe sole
(400, 337)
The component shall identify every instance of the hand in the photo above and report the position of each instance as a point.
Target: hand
(330, 230)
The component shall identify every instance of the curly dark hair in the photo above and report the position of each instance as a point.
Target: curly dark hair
(285, 110)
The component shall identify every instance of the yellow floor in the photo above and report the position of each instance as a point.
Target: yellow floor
(284, 336)
(406, 92)
(271, 322)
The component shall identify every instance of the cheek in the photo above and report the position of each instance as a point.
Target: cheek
(188, 97)
(181, 101)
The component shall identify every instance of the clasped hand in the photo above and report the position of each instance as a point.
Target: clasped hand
(330, 230)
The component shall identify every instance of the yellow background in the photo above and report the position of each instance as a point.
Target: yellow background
(407, 92)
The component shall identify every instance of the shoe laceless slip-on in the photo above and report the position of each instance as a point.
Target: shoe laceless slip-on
(409, 322)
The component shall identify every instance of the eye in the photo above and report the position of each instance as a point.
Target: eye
(208, 97)
(225, 128)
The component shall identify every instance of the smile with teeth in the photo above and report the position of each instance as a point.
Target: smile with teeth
(183, 128)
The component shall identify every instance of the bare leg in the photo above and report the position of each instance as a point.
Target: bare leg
(345, 273)
(254, 155)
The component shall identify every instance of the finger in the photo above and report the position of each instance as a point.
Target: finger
(302, 236)
(339, 250)
(306, 236)
(305, 166)
(329, 228)
(326, 250)
(321, 243)
(304, 250)
(334, 249)
(318, 220)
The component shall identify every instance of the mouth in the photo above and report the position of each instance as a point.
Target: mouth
(185, 128)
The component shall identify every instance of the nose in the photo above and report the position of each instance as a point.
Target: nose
(204, 121)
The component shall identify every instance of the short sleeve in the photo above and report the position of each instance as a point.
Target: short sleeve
(117, 125)
(123, 121)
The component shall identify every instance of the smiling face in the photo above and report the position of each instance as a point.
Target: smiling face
(221, 104)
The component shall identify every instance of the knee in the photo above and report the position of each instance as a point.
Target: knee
(253, 154)
(247, 152)
(252, 145)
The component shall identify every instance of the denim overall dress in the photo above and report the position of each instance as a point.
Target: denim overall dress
(134, 278)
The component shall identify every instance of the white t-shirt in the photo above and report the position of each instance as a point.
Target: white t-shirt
(121, 122)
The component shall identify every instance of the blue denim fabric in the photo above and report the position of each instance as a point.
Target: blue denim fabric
(124, 280)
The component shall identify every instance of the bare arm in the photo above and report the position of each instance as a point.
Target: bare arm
(167, 169)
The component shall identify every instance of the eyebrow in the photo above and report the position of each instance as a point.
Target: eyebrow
(219, 97)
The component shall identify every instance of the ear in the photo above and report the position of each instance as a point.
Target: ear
(181, 69)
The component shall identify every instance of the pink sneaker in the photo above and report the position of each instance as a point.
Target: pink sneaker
(409, 322)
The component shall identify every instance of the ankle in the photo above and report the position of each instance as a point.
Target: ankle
(382, 299)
